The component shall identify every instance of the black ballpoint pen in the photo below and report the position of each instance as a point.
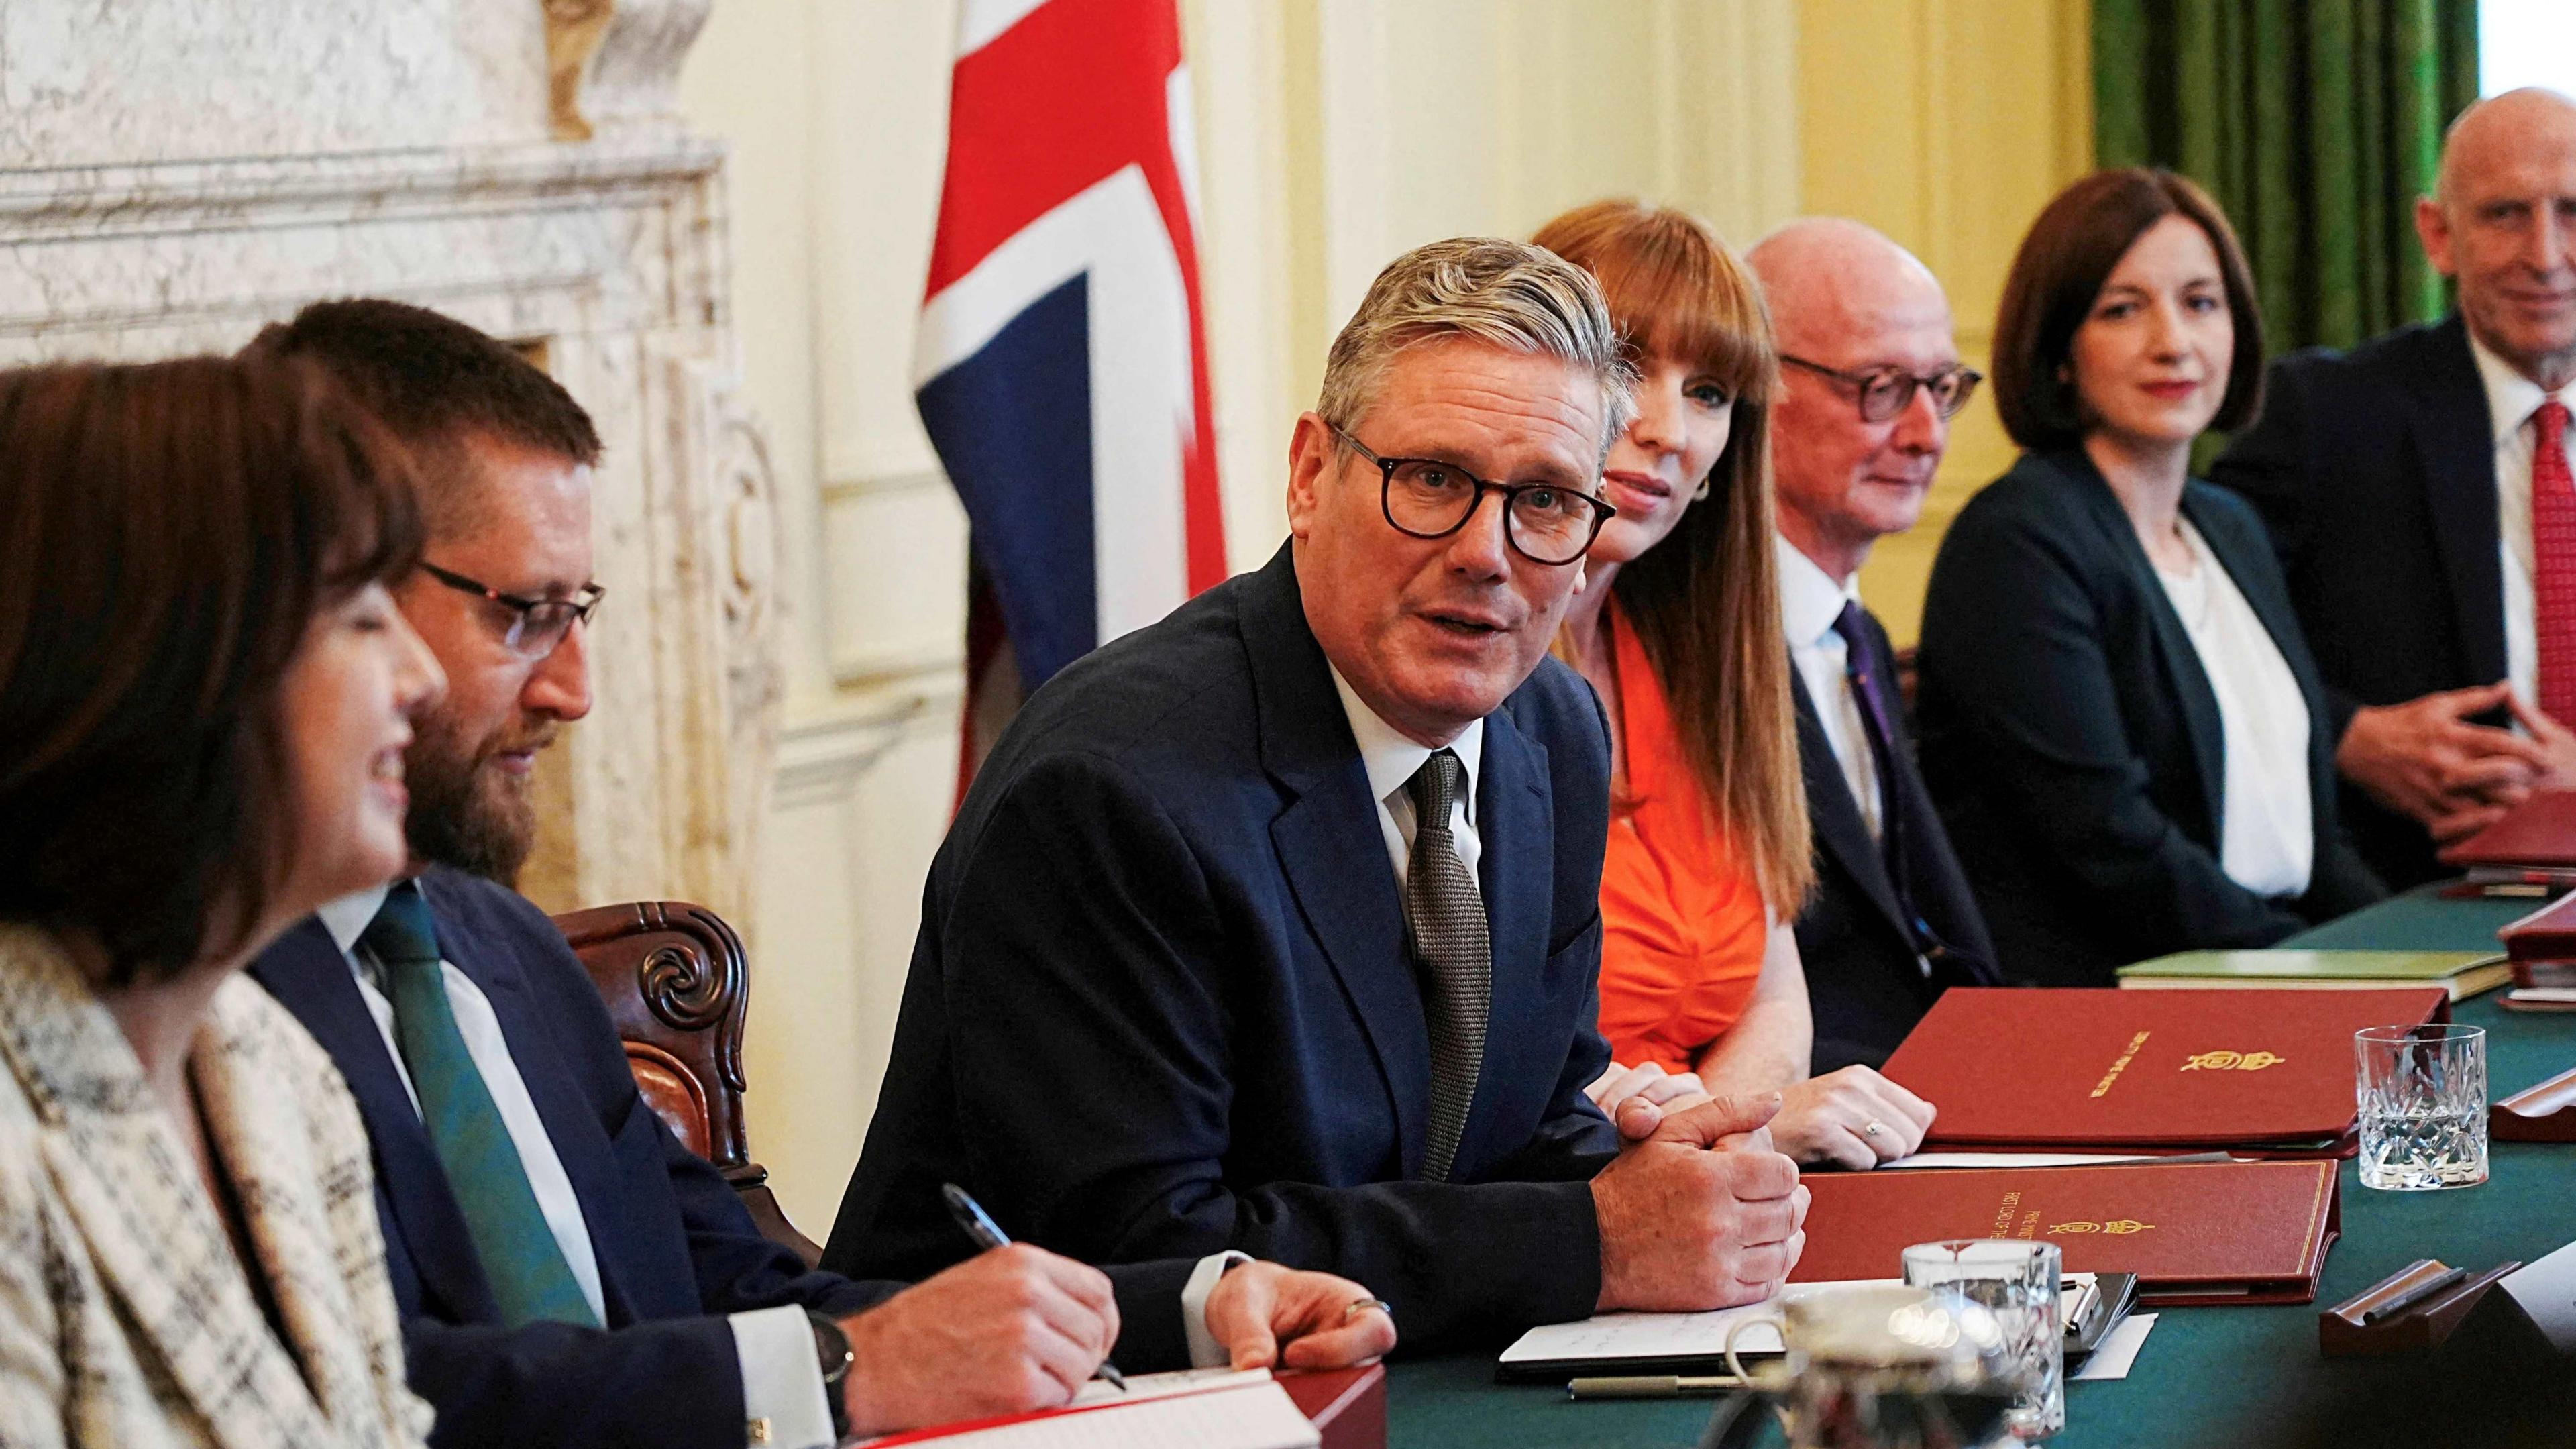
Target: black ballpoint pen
(988, 1235)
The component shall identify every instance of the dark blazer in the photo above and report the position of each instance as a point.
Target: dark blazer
(1161, 1003)
(2071, 739)
(2375, 471)
(676, 1249)
(1866, 986)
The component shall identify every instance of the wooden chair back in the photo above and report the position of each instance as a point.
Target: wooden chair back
(679, 988)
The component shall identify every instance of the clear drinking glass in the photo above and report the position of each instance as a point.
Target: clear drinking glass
(2020, 1284)
(2423, 1097)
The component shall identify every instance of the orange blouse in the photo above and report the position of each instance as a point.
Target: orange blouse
(1683, 924)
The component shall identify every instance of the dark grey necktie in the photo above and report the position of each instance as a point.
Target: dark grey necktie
(1447, 916)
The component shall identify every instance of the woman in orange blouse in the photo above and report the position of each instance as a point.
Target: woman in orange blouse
(1677, 625)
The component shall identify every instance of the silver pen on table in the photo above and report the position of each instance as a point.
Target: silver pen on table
(1650, 1386)
(988, 1235)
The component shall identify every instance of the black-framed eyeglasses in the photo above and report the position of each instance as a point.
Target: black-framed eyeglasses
(1547, 523)
(1884, 392)
(536, 625)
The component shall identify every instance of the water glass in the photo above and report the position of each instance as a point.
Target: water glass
(2020, 1283)
(2422, 1091)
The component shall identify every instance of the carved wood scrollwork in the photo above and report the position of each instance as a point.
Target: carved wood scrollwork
(683, 988)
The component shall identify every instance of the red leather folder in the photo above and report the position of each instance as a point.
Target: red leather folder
(2253, 1071)
(2194, 1233)
(1347, 1406)
(2542, 945)
(2538, 834)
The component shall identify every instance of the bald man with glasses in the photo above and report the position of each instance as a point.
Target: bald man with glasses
(1871, 380)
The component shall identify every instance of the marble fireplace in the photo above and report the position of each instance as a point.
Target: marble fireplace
(176, 173)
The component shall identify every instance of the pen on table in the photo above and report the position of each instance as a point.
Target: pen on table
(2409, 1297)
(987, 1234)
(1650, 1386)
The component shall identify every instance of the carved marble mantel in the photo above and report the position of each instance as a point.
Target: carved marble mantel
(173, 175)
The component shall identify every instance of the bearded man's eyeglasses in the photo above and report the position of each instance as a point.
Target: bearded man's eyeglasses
(536, 625)
(1546, 522)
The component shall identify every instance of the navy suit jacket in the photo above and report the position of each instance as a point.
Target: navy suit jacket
(1162, 1004)
(2072, 740)
(1866, 986)
(676, 1249)
(2375, 471)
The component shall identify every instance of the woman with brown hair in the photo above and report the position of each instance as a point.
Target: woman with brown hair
(205, 690)
(1677, 626)
(2119, 718)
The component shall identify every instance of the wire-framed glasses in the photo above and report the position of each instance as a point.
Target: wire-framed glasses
(1883, 392)
(536, 625)
(1547, 523)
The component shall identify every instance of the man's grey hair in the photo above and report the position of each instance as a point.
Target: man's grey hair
(1505, 294)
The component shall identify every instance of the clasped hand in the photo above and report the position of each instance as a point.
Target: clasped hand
(1698, 1211)
(1849, 1118)
(2426, 759)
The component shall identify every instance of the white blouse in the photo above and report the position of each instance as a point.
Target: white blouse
(2267, 836)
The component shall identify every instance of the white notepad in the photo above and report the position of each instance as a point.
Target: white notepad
(1195, 1409)
(1612, 1337)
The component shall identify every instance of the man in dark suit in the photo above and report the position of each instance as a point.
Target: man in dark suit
(1274, 926)
(568, 1273)
(1893, 922)
(2415, 488)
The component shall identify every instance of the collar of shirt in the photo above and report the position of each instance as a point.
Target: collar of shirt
(1810, 600)
(2511, 397)
(1391, 757)
(348, 917)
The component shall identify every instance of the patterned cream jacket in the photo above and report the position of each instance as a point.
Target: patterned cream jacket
(124, 1316)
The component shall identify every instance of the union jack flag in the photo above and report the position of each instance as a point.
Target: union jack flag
(1062, 361)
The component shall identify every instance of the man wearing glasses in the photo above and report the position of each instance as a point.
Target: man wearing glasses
(1870, 382)
(1273, 927)
(568, 1273)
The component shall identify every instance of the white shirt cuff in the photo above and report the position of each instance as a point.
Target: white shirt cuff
(782, 1381)
(1205, 1351)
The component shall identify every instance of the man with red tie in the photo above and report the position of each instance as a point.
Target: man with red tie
(2418, 490)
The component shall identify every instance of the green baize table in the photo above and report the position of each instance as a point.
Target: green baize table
(2215, 1376)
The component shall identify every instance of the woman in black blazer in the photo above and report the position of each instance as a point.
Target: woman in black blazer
(2119, 719)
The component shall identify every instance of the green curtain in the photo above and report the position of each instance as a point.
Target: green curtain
(2316, 124)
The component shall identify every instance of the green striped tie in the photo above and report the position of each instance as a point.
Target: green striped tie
(521, 1259)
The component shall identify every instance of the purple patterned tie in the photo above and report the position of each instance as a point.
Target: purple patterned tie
(1878, 721)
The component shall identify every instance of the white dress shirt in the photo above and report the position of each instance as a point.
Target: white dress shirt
(2267, 838)
(1391, 759)
(1810, 602)
(2512, 399)
(782, 1381)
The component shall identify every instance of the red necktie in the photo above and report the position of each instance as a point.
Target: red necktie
(2553, 546)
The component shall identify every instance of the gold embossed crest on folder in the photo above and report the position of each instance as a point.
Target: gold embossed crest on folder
(2231, 1061)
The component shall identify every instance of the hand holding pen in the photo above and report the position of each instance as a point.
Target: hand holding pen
(988, 1235)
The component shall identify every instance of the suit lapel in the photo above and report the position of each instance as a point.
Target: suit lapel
(2456, 443)
(580, 1140)
(1834, 814)
(291, 1182)
(1329, 844)
(305, 971)
(1516, 874)
(2188, 683)
(132, 1187)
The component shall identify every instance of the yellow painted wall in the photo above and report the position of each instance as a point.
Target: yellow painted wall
(1946, 124)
